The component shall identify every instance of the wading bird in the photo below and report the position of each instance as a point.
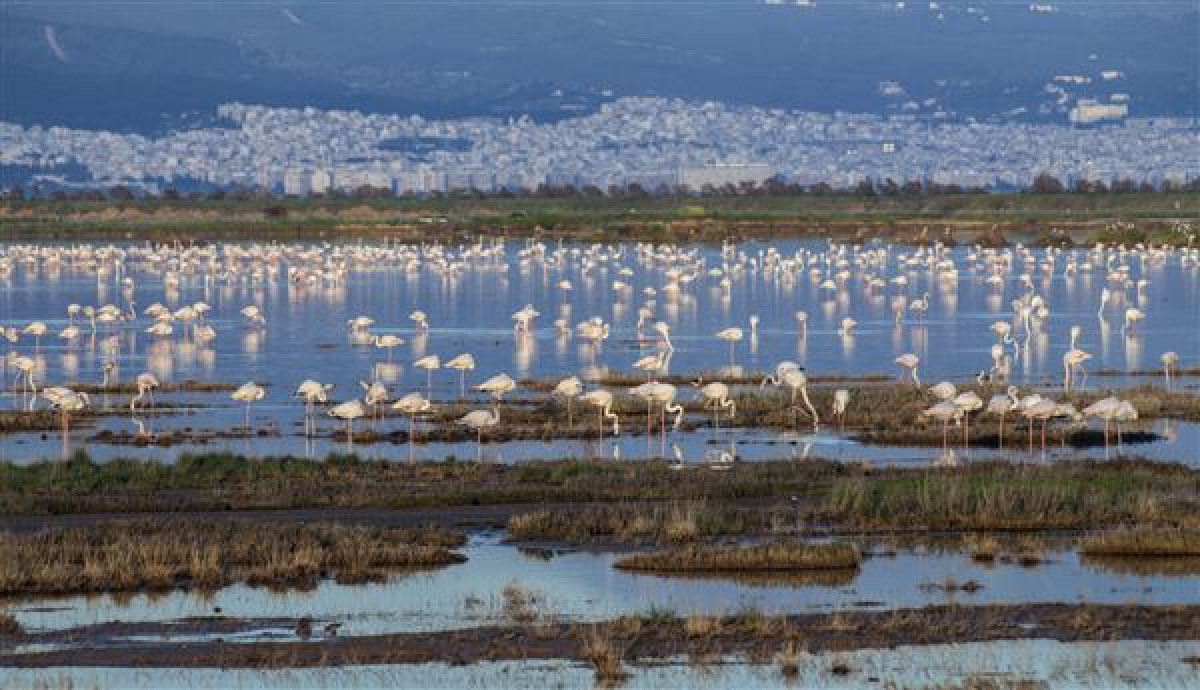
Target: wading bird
(410, 406)
(602, 400)
(478, 420)
(909, 362)
(312, 392)
(248, 393)
(716, 398)
(348, 411)
(462, 364)
(568, 389)
(841, 398)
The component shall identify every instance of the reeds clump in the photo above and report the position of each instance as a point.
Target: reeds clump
(634, 523)
(789, 659)
(984, 549)
(9, 624)
(520, 604)
(127, 556)
(736, 558)
(700, 626)
(1146, 543)
(599, 650)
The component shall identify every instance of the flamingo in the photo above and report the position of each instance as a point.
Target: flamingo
(387, 342)
(421, 321)
(651, 364)
(1126, 412)
(790, 375)
(37, 329)
(411, 405)
(66, 401)
(1132, 316)
(968, 402)
(602, 400)
(841, 398)
(944, 390)
(248, 393)
(664, 331)
(1002, 405)
(919, 307)
(374, 395)
(462, 364)
(568, 389)
(1104, 409)
(731, 335)
(523, 317)
(1073, 360)
(663, 395)
(253, 315)
(946, 411)
(1170, 360)
(478, 420)
(909, 362)
(497, 387)
(349, 411)
(429, 363)
(1034, 408)
(146, 384)
(716, 397)
(312, 392)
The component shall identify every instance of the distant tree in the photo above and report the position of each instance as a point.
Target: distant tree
(1046, 183)
(865, 188)
(120, 193)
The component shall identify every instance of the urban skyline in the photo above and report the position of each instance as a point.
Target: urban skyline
(656, 143)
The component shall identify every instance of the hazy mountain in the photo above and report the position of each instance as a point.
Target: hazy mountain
(125, 65)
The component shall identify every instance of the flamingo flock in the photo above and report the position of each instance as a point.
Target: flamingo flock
(671, 275)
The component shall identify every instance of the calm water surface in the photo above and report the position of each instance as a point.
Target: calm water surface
(469, 311)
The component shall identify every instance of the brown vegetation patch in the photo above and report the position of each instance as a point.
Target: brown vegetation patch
(1143, 543)
(156, 555)
(778, 556)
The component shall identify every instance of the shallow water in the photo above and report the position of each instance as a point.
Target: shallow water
(581, 585)
(1109, 665)
(306, 334)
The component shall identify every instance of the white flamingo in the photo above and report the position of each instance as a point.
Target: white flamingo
(909, 362)
(248, 393)
(568, 389)
(478, 420)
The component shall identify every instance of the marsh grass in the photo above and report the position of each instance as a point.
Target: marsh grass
(984, 549)
(630, 523)
(735, 558)
(227, 481)
(1143, 543)
(522, 605)
(158, 555)
(790, 656)
(9, 624)
(1067, 496)
(598, 648)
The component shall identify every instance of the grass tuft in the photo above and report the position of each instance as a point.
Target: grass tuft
(733, 558)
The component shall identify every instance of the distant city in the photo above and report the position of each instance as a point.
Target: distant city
(658, 144)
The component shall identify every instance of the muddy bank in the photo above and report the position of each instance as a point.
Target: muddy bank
(653, 636)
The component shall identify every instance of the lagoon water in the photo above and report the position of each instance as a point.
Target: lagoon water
(469, 311)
